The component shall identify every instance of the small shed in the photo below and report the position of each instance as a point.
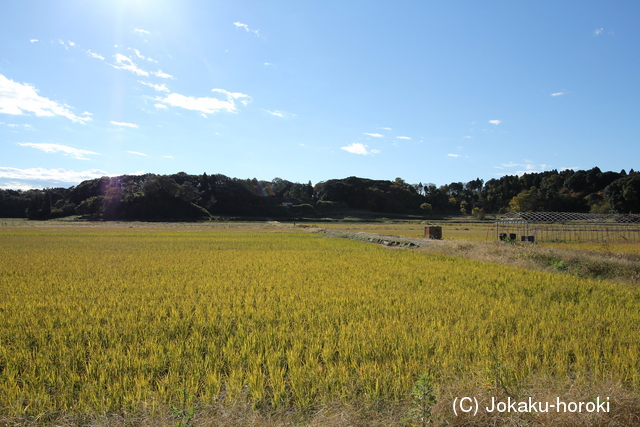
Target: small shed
(433, 232)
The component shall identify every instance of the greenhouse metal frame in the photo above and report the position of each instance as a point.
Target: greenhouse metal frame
(568, 227)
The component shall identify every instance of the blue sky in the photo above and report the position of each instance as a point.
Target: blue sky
(430, 91)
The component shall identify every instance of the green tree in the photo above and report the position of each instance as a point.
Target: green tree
(477, 213)
(39, 205)
(525, 201)
(623, 195)
(426, 208)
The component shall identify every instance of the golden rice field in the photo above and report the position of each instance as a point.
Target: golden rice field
(102, 320)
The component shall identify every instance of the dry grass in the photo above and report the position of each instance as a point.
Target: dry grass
(622, 267)
(624, 411)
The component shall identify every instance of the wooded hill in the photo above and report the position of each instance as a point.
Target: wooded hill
(191, 197)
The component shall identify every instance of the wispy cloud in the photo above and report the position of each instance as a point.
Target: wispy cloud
(359, 148)
(495, 122)
(94, 55)
(17, 98)
(141, 32)
(527, 167)
(125, 63)
(159, 88)
(281, 114)
(137, 153)
(123, 124)
(246, 27)
(208, 105)
(375, 135)
(404, 137)
(140, 56)
(453, 155)
(386, 128)
(67, 44)
(17, 185)
(33, 40)
(559, 93)
(57, 175)
(276, 113)
(14, 125)
(599, 31)
(76, 153)
(161, 106)
(162, 74)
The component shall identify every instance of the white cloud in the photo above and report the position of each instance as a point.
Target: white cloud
(467, 137)
(94, 55)
(140, 32)
(403, 137)
(33, 40)
(375, 135)
(14, 125)
(162, 74)
(138, 153)
(241, 25)
(386, 128)
(558, 93)
(159, 88)
(234, 95)
(246, 27)
(76, 153)
(359, 148)
(40, 174)
(206, 104)
(16, 185)
(129, 125)
(281, 114)
(168, 157)
(495, 122)
(16, 99)
(528, 167)
(161, 106)
(125, 63)
(598, 31)
(453, 155)
(276, 113)
(140, 56)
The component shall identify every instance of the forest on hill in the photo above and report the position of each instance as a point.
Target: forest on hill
(190, 197)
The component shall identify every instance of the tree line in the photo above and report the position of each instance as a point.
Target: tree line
(189, 197)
